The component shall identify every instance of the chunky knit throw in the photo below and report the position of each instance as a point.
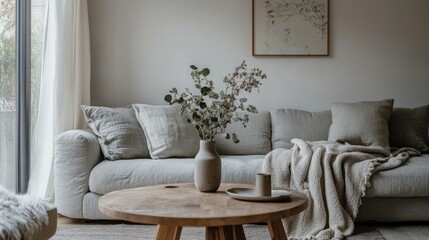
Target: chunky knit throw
(334, 177)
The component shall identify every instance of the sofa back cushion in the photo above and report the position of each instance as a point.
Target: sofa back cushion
(118, 131)
(409, 128)
(167, 132)
(287, 124)
(255, 138)
(361, 123)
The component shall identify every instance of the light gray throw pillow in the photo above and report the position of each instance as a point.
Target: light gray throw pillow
(288, 124)
(362, 123)
(409, 128)
(254, 138)
(118, 131)
(167, 131)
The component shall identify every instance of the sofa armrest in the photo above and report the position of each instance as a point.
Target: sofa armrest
(76, 153)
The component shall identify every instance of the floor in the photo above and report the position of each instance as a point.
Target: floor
(364, 231)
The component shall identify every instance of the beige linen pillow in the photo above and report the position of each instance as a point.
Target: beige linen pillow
(409, 128)
(167, 131)
(362, 123)
(288, 124)
(118, 131)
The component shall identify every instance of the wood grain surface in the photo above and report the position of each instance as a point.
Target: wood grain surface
(183, 205)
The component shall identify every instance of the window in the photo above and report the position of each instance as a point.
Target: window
(8, 83)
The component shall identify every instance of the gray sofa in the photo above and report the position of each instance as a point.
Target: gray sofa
(82, 175)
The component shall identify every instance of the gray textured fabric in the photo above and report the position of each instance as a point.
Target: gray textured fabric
(90, 207)
(409, 128)
(362, 123)
(394, 209)
(121, 231)
(119, 133)
(255, 138)
(147, 172)
(409, 180)
(167, 132)
(288, 124)
(76, 152)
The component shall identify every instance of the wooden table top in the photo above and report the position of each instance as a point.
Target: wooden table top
(184, 205)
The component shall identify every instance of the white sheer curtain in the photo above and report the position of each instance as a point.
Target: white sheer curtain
(65, 85)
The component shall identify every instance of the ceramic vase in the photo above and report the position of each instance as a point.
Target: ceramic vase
(207, 167)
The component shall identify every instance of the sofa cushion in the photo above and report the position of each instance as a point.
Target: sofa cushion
(167, 132)
(292, 123)
(255, 138)
(361, 123)
(409, 180)
(109, 176)
(409, 128)
(118, 131)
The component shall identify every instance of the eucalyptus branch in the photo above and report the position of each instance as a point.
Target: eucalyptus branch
(211, 112)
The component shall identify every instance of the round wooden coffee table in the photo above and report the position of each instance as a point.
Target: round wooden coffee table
(173, 206)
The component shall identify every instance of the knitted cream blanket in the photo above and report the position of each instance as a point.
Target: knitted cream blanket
(21, 215)
(334, 177)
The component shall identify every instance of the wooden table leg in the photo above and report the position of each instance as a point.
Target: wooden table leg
(225, 233)
(212, 233)
(164, 232)
(239, 232)
(277, 232)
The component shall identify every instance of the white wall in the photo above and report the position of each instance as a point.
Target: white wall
(141, 48)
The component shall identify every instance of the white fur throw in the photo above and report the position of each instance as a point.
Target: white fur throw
(21, 215)
(334, 177)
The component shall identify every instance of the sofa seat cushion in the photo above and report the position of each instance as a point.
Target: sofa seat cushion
(409, 180)
(109, 176)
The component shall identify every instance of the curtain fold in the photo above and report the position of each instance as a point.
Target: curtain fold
(65, 85)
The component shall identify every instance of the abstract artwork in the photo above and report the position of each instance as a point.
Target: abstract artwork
(290, 27)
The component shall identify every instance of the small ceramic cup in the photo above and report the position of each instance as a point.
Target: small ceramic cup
(263, 185)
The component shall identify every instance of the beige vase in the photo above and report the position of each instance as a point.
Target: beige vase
(207, 167)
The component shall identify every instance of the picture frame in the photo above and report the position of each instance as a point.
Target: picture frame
(290, 28)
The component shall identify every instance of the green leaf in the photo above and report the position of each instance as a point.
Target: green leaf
(206, 122)
(203, 105)
(235, 138)
(214, 119)
(198, 86)
(189, 120)
(205, 72)
(168, 98)
(243, 100)
(227, 136)
(181, 100)
(205, 91)
(193, 67)
(196, 116)
(174, 90)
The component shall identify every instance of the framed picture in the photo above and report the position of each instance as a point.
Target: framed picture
(290, 28)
